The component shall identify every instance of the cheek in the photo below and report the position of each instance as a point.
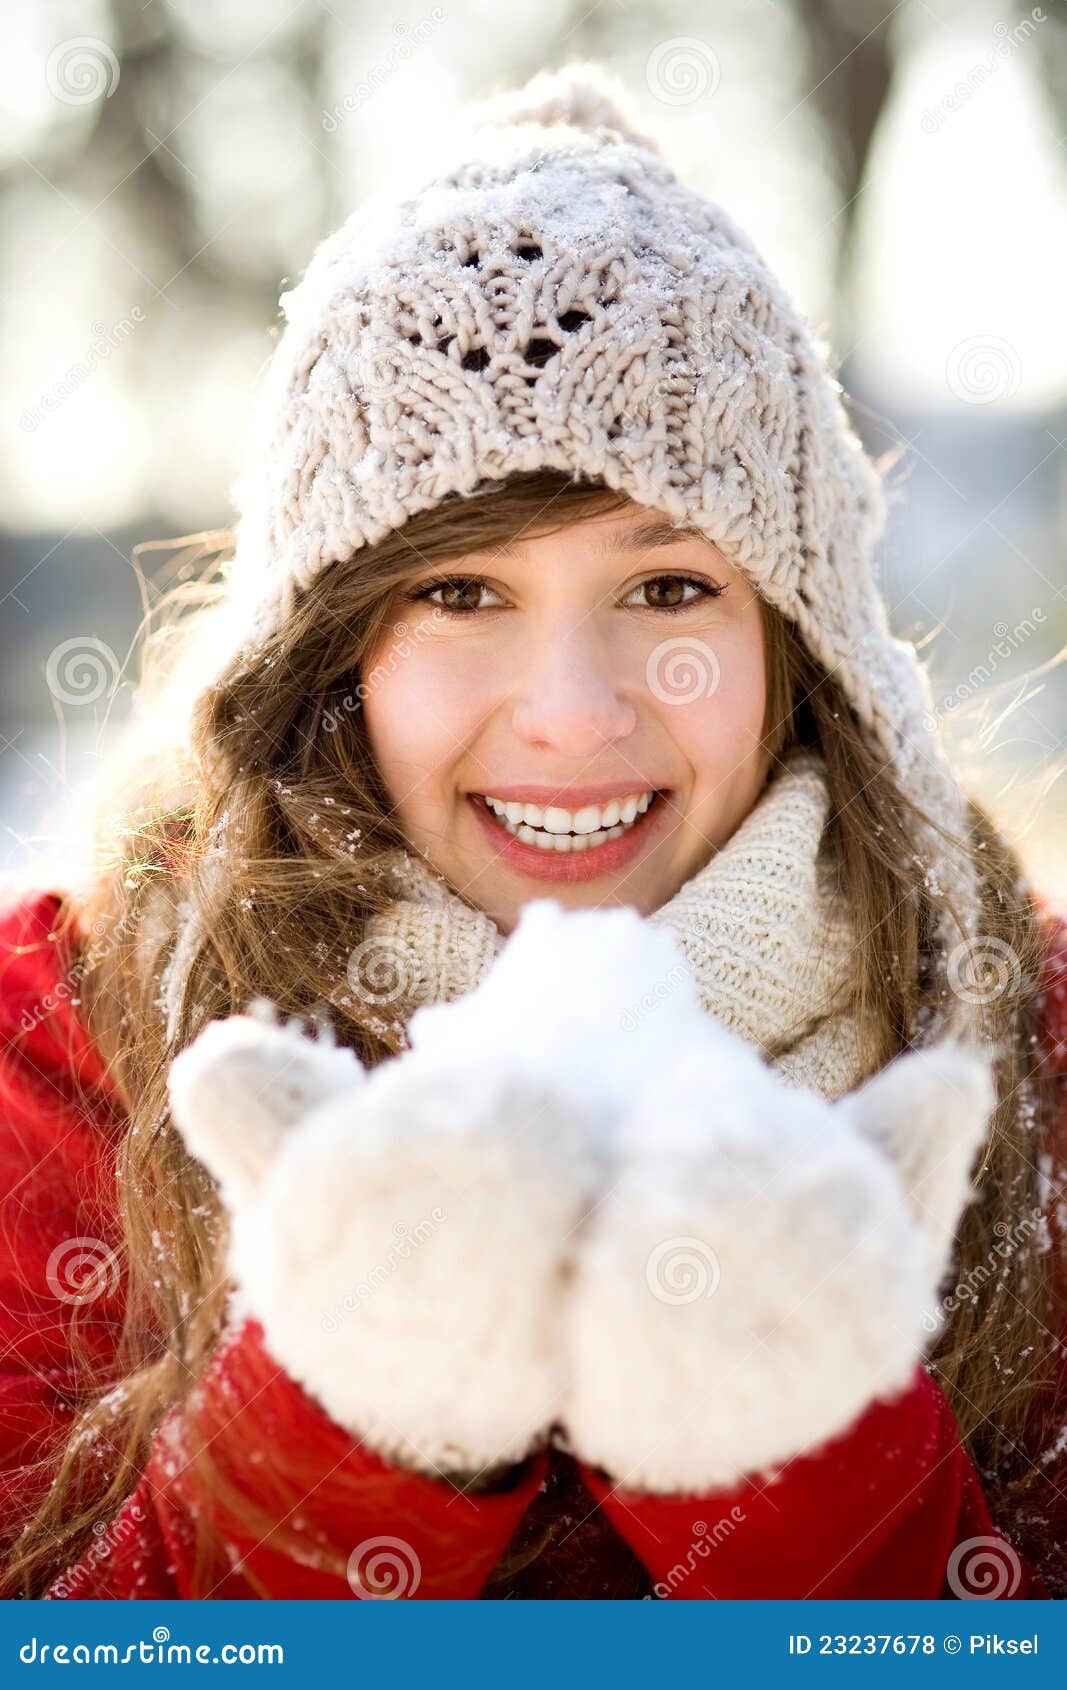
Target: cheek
(710, 692)
(732, 716)
(421, 711)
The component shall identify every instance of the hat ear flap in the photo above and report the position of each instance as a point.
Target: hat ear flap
(242, 1085)
(928, 1112)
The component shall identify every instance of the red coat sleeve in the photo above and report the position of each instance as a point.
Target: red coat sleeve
(250, 1488)
(892, 1507)
(328, 1518)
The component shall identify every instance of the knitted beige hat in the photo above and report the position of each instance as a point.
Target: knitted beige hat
(559, 299)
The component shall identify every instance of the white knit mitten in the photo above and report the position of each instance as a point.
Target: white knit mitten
(400, 1234)
(766, 1263)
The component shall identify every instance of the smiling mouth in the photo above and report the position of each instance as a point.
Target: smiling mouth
(559, 831)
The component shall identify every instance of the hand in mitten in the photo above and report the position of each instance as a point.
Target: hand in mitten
(401, 1235)
(765, 1263)
(405, 1237)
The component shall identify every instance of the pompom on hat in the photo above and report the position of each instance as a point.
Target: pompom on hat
(558, 298)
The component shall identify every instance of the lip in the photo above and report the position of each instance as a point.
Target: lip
(571, 866)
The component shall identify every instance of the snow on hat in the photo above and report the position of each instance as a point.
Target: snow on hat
(558, 298)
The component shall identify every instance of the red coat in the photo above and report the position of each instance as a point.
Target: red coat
(876, 1512)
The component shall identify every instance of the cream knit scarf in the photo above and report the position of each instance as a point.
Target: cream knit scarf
(768, 943)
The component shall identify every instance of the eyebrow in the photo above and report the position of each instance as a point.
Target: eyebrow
(641, 537)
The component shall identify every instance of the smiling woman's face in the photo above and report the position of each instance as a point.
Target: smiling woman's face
(578, 716)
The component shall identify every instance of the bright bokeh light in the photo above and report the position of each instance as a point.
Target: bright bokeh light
(965, 231)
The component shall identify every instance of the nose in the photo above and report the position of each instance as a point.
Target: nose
(567, 698)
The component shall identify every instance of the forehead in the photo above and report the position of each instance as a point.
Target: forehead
(616, 534)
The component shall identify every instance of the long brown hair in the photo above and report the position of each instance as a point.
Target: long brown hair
(266, 818)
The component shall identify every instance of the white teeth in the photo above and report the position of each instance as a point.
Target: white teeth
(553, 828)
(557, 820)
(557, 842)
(586, 820)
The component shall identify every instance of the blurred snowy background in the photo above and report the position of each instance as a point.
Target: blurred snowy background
(164, 166)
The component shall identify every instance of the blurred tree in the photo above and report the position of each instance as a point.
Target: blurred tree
(851, 62)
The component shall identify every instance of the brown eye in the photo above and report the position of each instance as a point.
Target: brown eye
(674, 592)
(665, 592)
(459, 595)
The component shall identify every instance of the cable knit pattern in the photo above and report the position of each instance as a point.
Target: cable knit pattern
(558, 298)
(768, 945)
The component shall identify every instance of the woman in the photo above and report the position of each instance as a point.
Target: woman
(446, 681)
